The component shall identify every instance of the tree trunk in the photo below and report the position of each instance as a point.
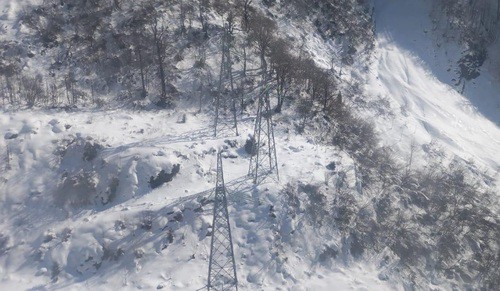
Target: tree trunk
(201, 96)
(162, 73)
(246, 17)
(222, 62)
(10, 90)
(201, 18)
(498, 10)
(244, 61)
(141, 66)
(263, 63)
(92, 94)
(66, 86)
(157, 37)
(231, 80)
(325, 97)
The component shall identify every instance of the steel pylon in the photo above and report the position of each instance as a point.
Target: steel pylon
(263, 160)
(225, 98)
(221, 268)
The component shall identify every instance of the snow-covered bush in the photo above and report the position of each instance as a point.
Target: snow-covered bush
(249, 146)
(438, 223)
(316, 203)
(164, 177)
(76, 190)
(90, 150)
(93, 175)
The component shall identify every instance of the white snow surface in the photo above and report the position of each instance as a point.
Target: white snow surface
(47, 244)
(411, 81)
(107, 247)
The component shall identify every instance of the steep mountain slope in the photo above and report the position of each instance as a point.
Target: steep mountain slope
(412, 73)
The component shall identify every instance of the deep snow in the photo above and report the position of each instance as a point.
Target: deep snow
(86, 244)
(410, 75)
(109, 247)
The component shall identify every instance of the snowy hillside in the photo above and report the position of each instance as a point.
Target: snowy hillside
(110, 193)
(411, 77)
(159, 237)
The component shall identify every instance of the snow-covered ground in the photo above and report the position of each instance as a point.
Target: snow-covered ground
(157, 238)
(410, 80)
(46, 246)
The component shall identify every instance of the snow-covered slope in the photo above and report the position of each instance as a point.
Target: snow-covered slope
(409, 25)
(153, 239)
(412, 76)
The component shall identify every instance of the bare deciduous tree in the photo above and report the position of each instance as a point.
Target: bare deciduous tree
(262, 31)
(159, 32)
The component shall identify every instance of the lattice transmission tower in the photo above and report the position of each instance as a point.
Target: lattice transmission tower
(263, 160)
(225, 98)
(221, 268)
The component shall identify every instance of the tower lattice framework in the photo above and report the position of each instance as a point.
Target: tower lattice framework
(263, 160)
(225, 97)
(222, 268)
